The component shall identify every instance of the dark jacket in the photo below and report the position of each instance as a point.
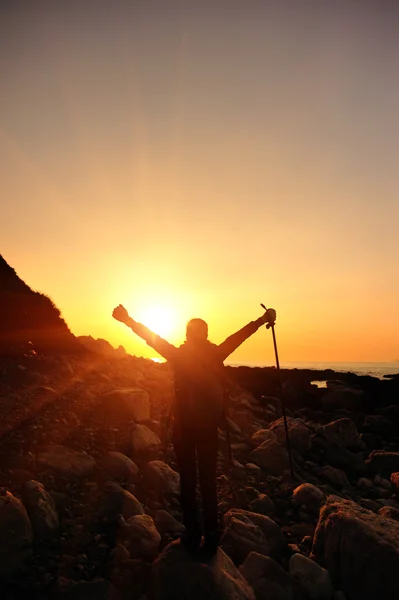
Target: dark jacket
(200, 382)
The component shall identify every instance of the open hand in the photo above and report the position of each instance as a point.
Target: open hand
(120, 314)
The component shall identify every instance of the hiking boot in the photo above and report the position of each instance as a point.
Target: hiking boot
(211, 544)
(191, 542)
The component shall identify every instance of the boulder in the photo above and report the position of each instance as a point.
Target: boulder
(272, 457)
(335, 477)
(144, 440)
(300, 435)
(42, 513)
(268, 579)
(359, 549)
(166, 524)
(312, 577)
(247, 532)
(390, 512)
(383, 462)
(15, 535)
(176, 575)
(372, 441)
(125, 405)
(341, 457)
(343, 397)
(309, 496)
(65, 461)
(380, 426)
(117, 501)
(263, 435)
(120, 467)
(263, 505)
(161, 477)
(395, 481)
(140, 537)
(344, 433)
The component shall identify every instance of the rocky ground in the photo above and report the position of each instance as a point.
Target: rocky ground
(89, 491)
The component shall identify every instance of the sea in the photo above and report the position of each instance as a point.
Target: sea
(375, 369)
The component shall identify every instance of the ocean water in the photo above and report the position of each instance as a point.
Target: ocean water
(375, 369)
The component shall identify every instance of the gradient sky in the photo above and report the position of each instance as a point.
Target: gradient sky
(203, 157)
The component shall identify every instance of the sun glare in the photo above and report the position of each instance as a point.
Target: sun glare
(160, 319)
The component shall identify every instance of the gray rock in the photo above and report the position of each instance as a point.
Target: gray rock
(335, 477)
(175, 575)
(247, 532)
(144, 440)
(272, 457)
(267, 578)
(65, 461)
(117, 501)
(390, 512)
(166, 524)
(140, 537)
(380, 462)
(263, 435)
(159, 476)
(313, 578)
(15, 535)
(263, 505)
(300, 435)
(309, 496)
(360, 550)
(41, 510)
(121, 468)
(344, 433)
(126, 404)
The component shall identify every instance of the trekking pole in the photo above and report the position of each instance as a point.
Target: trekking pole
(280, 390)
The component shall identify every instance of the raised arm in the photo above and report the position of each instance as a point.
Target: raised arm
(160, 345)
(236, 339)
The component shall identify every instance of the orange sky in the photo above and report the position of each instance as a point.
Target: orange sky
(199, 160)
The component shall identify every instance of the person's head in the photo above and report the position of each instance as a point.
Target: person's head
(197, 330)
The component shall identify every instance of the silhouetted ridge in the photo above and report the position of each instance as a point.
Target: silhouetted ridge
(30, 320)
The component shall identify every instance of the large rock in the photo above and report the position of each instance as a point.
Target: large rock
(166, 524)
(300, 435)
(272, 457)
(383, 462)
(263, 505)
(309, 496)
(335, 477)
(381, 426)
(140, 537)
(343, 397)
(247, 532)
(313, 578)
(341, 457)
(41, 510)
(268, 579)
(344, 433)
(395, 481)
(117, 501)
(159, 476)
(263, 435)
(144, 440)
(120, 467)
(177, 576)
(359, 549)
(65, 461)
(126, 405)
(15, 535)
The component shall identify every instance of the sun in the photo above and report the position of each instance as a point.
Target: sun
(159, 318)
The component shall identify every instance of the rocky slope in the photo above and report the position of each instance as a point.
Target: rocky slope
(89, 498)
(29, 320)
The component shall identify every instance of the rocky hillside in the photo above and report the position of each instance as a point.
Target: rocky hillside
(89, 501)
(29, 320)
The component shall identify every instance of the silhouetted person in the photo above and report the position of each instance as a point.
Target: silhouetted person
(200, 394)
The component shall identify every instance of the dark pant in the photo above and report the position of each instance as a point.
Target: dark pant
(192, 442)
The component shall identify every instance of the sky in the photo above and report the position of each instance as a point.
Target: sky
(194, 159)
